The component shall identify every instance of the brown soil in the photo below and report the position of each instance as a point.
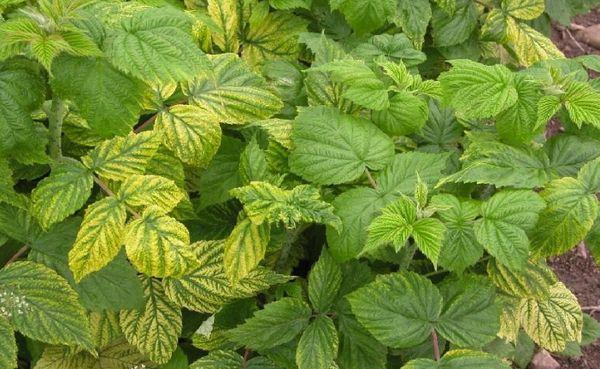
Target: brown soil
(579, 273)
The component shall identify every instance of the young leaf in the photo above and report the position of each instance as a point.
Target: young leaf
(8, 345)
(318, 344)
(398, 309)
(324, 282)
(155, 329)
(506, 218)
(459, 359)
(41, 305)
(478, 91)
(333, 148)
(62, 193)
(582, 102)
(406, 114)
(231, 93)
(244, 248)
(162, 33)
(100, 237)
(192, 134)
(279, 322)
(159, 245)
(265, 202)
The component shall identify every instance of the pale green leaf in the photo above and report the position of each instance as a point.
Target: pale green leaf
(506, 218)
(547, 107)
(41, 305)
(231, 92)
(8, 345)
(333, 148)
(524, 9)
(413, 16)
(478, 91)
(244, 248)
(154, 44)
(534, 280)
(589, 175)
(219, 359)
(279, 322)
(302, 204)
(100, 237)
(396, 48)
(154, 329)
(460, 359)
(159, 245)
(518, 123)
(122, 157)
(324, 281)
(318, 344)
(582, 102)
(398, 309)
(62, 193)
(190, 132)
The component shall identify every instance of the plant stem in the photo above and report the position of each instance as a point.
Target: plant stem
(436, 345)
(55, 121)
(17, 255)
(370, 178)
(109, 192)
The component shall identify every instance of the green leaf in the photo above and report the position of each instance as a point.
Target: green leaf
(109, 100)
(397, 48)
(491, 162)
(266, 202)
(253, 164)
(460, 248)
(365, 16)
(553, 321)
(190, 133)
(362, 85)
(273, 36)
(398, 222)
(324, 281)
(569, 153)
(100, 237)
(8, 345)
(231, 93)
(117, 355)
(398, 309)
(122, 157)
(524, 9)
(219, 359)
(518, 123)
(548, 106)
(470, 317)
(206, 288)
(143, 190)
(506, 219)
(570, 213)
(244, 248)
(333, 148)
(406, 114)
(582, 102)
(154, 45)
(589, 176)
(159, 245)
(450, 30)
(41, 305)
(279, 322)
(530, 45)
(318, 344)
(156, 328)
(413, 17)
(62, 193)
(460, 359)
(478, 91)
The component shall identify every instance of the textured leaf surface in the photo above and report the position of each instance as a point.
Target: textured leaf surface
(43, 306)
(62, 193)
(145, 190)
(406, 114)
(453, 29)
(324, 282)
(530, 45)
(365, 16)
(244, 248)
(332, 148)
(155, 329)
(100, 237)
(581, 101)
(279, 322)
(413, 17)
(232, 93)
(318, 344)
(460, 359)
(8, 345)
(524, 9)
(159, 245)
(398, 309)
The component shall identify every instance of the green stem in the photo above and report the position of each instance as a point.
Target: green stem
(55, 121)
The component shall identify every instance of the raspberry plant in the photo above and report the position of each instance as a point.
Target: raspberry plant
(292, 183)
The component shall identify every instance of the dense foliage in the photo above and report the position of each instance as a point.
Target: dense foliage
(283, 184)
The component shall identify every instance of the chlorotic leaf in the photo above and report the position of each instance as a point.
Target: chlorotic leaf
(143, 190)
(530, 45)
(244, 248)
(524, 9)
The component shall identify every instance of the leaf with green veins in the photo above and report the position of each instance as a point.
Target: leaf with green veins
(506, 219)
(333, 148)
(413, 17)
(318, 344)
(450, 30)
(524, 9)
(589, 176)
(460, 359)
(534, 280)
(141, 190)
(279, 322)
(226, 16)
(568, 153)
(406, 114)
(518, 123)
(530, 45)
(155, 329)
(244, 248)
(8, 344)
(62, 193)
(365, 16)
(396, 48)
(398, 309)
(231, 92)
(583, 103)
(324, 282)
